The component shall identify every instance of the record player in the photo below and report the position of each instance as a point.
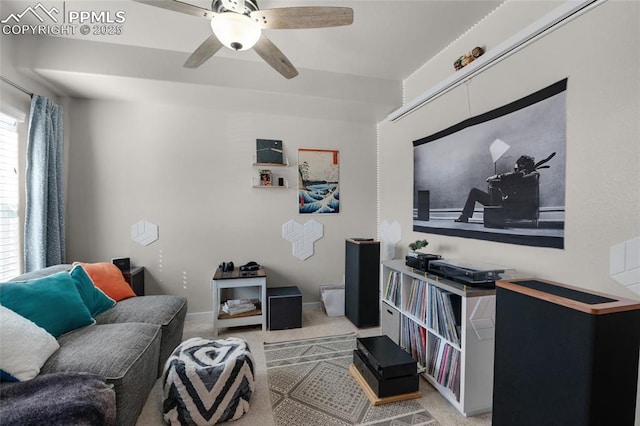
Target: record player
(473, 274)
(420, 260)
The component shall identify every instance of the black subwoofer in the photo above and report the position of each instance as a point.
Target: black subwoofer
(284, 308)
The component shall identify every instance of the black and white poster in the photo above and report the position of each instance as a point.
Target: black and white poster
(498, 176)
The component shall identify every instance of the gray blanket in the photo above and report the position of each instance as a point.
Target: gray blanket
(58, 399)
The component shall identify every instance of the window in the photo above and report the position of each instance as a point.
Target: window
(9, 226)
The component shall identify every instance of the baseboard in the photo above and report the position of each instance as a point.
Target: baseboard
(201, 316)
(312, 305)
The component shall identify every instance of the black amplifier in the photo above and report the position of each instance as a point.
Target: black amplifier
(465, 273)
(385, 387)
(420, 260)
(386, 358)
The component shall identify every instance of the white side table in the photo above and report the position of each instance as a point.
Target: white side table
(237, 279)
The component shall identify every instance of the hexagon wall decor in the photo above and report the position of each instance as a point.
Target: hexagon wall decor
(483, 318)
(624, 264)
(302, 237)
(390, 236)
(144, 232)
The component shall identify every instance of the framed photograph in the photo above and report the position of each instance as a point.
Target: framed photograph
(265, 178)
(318, 181)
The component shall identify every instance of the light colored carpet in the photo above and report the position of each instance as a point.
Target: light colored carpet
(315, 324)
(310, 384)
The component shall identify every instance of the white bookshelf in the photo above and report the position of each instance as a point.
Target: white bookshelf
(447, 327)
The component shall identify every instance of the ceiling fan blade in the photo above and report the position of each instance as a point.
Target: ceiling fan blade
(178, 6)
(206, 50)
(274, 57)
(303, 17)
(234, 5)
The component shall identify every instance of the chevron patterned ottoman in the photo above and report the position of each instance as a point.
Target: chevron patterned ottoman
(208, 382)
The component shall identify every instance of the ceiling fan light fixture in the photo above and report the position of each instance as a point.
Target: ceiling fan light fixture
(236, 31)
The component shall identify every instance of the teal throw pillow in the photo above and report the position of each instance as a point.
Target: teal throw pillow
(96, 301)
(51, 302)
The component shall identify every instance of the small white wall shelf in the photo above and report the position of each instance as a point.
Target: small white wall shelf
(255, 183)
(284, 164)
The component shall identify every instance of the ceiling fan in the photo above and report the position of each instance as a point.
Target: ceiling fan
(238, 25)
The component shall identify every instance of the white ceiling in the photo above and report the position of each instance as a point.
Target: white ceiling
(359, 67)
(388, 39)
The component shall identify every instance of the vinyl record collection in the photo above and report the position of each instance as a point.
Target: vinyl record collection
(417, 302)
(392, 289)
(432, 319)
(444, 321)
(434, 341)
(413, 339)
(444, 365)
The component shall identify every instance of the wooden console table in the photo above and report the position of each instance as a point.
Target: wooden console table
(236, 280)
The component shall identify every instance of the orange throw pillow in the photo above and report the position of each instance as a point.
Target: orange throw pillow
(108, 278)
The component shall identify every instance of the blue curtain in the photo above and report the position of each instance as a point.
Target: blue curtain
(44, 224)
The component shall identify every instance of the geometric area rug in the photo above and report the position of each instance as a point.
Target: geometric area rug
(310, 385)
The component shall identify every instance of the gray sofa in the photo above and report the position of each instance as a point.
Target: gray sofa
(127, 346)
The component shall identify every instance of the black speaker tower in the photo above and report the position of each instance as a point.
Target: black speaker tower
(564, 356)
(362, 282)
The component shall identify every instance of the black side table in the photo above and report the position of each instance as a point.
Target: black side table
(135, 277)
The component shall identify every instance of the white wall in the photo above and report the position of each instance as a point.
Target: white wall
(13, 101)
(189, 171)
(599, 54)
(603, 153)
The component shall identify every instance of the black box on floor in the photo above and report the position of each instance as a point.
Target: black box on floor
(284, 308)
(386, 358)
(385, 387)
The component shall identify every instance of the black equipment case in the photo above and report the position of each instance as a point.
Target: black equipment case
(385, 366)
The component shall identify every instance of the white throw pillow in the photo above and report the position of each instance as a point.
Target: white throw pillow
(24, 347)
